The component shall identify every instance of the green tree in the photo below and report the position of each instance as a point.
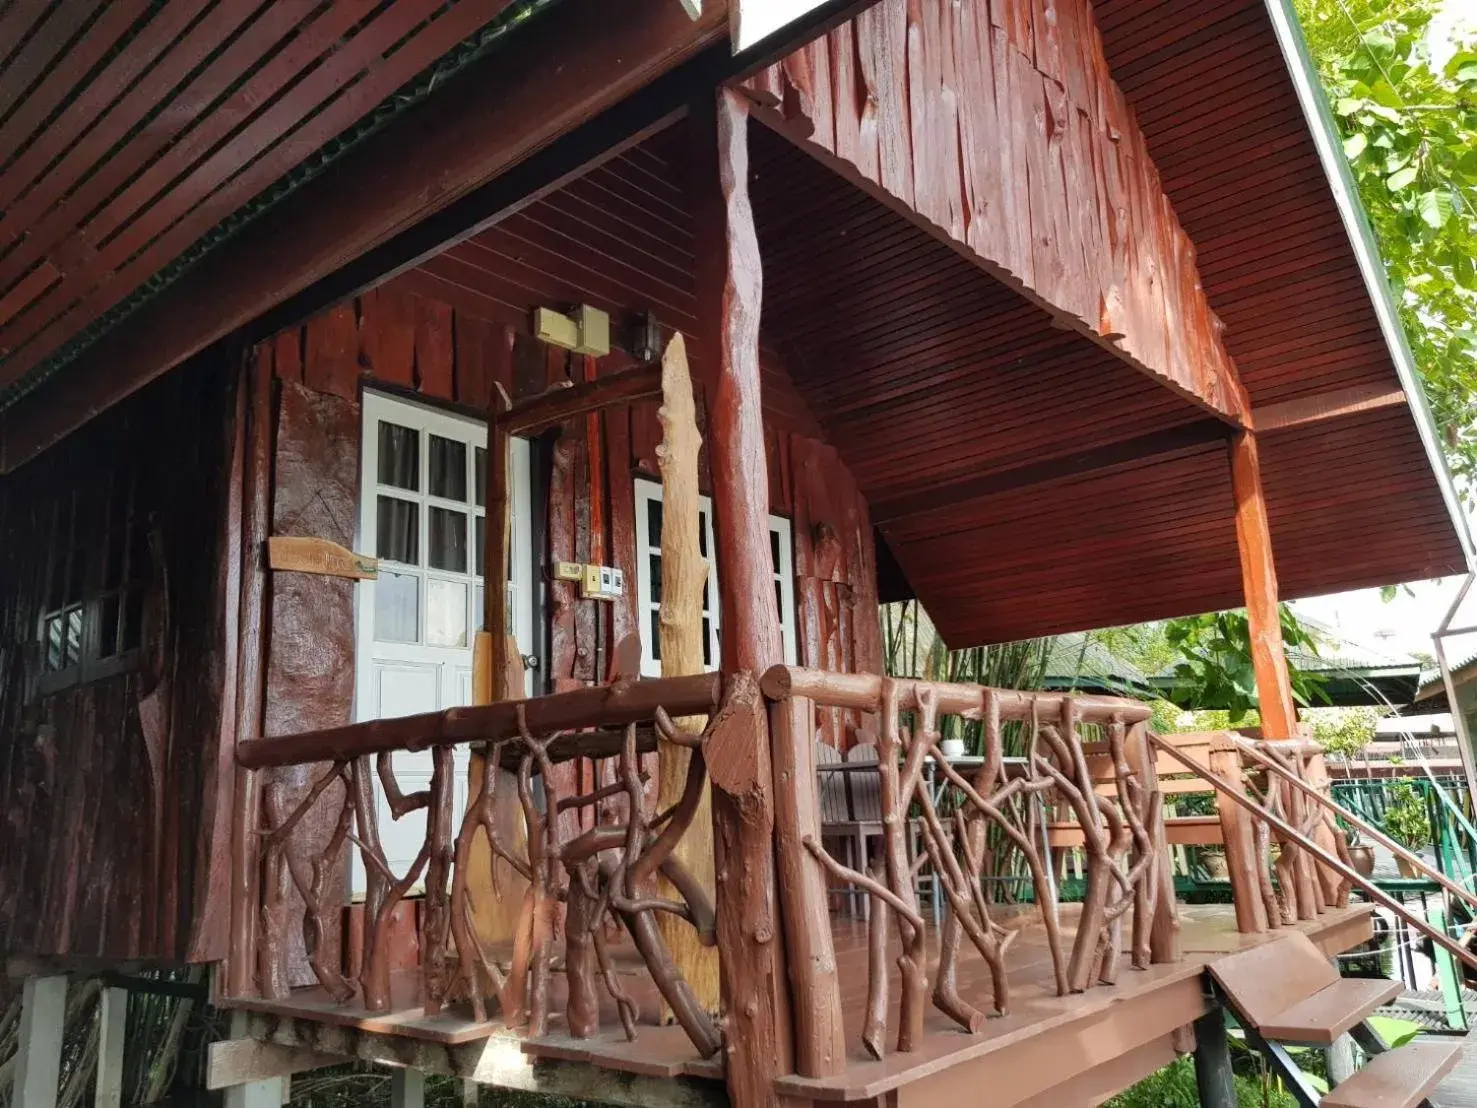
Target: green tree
(1216, 669)
(1409, 124)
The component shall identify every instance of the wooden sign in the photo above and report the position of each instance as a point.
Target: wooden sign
(303, 555)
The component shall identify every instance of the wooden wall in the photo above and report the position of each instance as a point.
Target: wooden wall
(999, 125)
(394, 336)
(115, 792)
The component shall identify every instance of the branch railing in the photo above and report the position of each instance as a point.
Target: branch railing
(1109, 784)
(1278, 794)
(590, 855)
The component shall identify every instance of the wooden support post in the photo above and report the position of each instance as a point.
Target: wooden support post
(1242, 861)
(820, 1047)
(112, 1020)
(407, 1089)
(1259, 583)
(39, 1043)
(729, 286)
(684, 577)
(1213, 1076)
(268, 1093)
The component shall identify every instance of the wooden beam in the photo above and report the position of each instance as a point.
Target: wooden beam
(1259, 583)
(559, 405)
(230, 1062)
(1338, 404)
(1157, 446)
(602, 706)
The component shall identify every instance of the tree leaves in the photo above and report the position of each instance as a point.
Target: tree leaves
(1410, 134)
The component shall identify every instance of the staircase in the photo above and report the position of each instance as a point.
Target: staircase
(1286, 993)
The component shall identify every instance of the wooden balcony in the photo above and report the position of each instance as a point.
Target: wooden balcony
(570, 999)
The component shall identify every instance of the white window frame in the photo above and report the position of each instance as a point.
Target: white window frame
(649, 492)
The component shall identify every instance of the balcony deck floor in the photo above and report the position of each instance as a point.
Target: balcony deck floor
(1207, 932)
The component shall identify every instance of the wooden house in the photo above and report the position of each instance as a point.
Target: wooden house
(1054, 314)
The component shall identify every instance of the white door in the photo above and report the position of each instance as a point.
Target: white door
(422, 512)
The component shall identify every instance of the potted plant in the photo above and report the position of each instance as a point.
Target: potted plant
(1361, 854)
(1407, 820)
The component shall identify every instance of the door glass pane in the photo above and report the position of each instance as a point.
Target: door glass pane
(446, 613)
(479, 539)
(74, 636)
(656, 578)
(448, 468)
(479, 476)
(654, 523)
(107, 629)
(398, 530)
(399, 456)
(55, 656)
(396, 607)
(448, 540)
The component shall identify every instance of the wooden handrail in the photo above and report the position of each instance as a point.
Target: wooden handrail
(1362, 825)
(864, 691)
(1348, 872)
(597, 707)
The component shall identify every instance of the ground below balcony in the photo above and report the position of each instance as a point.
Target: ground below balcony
(1048, 1050)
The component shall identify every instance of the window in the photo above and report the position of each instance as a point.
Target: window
(98, 570)
(425, 515)
(649, 578)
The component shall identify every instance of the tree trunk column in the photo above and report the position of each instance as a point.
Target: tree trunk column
(1259, 583)
(729, 287)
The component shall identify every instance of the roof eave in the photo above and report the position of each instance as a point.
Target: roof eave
(1326, 139)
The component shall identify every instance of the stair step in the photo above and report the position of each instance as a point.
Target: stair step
(1266, 980)
(1330, 1012)
(1398, 1078)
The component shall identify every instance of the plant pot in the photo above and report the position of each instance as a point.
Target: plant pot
(1215, 865)
(1407, 870)
(952, 748)
(1362, 859)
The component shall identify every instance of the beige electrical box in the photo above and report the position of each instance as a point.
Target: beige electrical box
(555, 329)
(586, 332)
(568, 571)
(594, 330)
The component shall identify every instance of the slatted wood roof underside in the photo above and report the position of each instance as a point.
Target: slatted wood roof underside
(923, 371)
(130, 129)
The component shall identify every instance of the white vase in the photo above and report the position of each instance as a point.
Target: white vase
(952, 748)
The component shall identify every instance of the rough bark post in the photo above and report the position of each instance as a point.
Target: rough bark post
(38, 1045)
(495, 890)
(1214, 1079)
(729, 288)
(1242, 860)
(250, 692)
(820, 1047)
(684, 576)
(1259, 583)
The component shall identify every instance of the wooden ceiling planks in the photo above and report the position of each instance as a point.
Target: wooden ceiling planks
(125, 143)
(999, 127)
(922, 370)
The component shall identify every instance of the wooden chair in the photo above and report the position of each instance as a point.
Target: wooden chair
(851, 811)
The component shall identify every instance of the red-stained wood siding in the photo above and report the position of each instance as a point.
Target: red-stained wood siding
(999, 127)
(399, 333)
(113, 792)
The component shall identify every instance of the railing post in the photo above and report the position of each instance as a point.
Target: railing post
(820, 1048)
(1164, 929)
(1240, 842)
